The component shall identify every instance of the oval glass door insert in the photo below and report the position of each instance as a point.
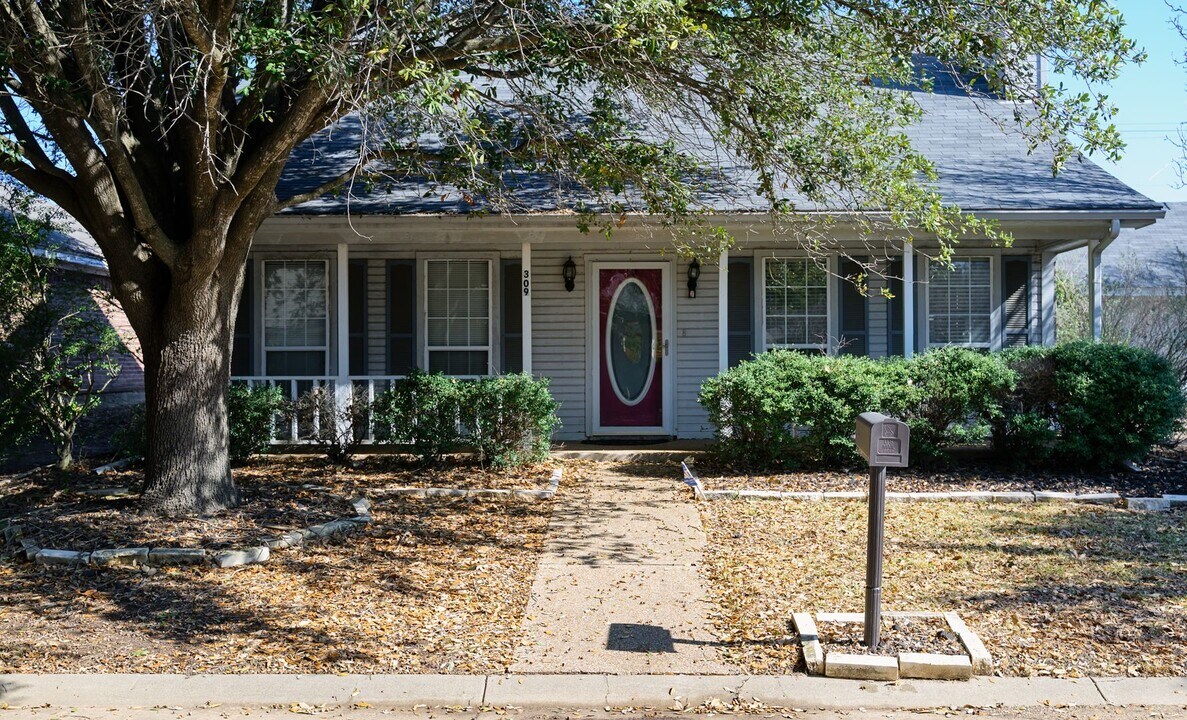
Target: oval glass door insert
(630, 341)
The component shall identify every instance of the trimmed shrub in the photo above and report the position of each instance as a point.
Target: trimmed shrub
(957, 397)
(1089, 404)
(251, 412)
(786, 408)
(422, 410)
(510, 419)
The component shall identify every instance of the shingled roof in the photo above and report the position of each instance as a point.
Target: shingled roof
(983, 166)
(1153, 258)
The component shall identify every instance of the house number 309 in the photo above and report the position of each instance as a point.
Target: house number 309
(527, 282)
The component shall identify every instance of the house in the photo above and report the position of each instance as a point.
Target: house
(81, 276)
(358, 292)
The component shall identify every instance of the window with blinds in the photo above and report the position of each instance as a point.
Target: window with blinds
(960, 303)
(296, 331)
(458, 317)
(795, 304)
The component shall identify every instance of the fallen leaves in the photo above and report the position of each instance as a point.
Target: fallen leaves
(1053, 590)
(431, 586)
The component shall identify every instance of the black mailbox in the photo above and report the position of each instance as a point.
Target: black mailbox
(882, 440)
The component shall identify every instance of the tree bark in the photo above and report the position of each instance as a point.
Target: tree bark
(187, 373)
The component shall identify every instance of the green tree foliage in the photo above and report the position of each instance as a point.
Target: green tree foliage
(57, 350)
(163, 129)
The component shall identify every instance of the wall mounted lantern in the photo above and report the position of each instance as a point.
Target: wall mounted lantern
(569, 273)
(694, 273)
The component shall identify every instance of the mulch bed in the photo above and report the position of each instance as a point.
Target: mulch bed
(1163, 472)
(1053, 589)
(898, 635)
(434, 585)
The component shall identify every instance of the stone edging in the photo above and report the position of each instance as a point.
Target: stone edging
(12, 537)
(921, 666)
(1166, 502)
(487, 493)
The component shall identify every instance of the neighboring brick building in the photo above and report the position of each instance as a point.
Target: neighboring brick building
(81, 263)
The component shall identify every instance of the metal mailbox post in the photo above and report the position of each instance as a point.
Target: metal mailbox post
(884, 442)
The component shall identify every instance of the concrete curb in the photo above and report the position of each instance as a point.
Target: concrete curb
(578, 691)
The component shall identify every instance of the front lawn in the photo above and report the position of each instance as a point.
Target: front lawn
(434, 585)
(1053, 589)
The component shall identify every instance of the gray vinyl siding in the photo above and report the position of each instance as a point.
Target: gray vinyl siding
(558, 335)
(696, 346)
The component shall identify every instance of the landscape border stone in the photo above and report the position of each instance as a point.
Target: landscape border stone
(1163, 503)
(547, 493)
(922, 666)
(156, 557)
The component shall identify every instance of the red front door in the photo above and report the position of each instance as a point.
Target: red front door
(631, 347)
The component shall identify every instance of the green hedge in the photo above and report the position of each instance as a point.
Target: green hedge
(1087, 404)
(507, 419)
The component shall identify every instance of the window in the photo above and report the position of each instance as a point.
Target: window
(795, 304)
(295, 327)
(959, 302)
(457, 333)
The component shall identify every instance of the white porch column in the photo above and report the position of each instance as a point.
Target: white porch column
(908, 299)
(723, 310)
(342, 389)
(1094, 289)
(526, 290)
(1048, 297)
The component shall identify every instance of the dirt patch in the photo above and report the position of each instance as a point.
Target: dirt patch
(1163, 472)
(1052, 589)
(430, 586)
(898, 635)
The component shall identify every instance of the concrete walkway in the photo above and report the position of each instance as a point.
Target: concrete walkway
(619, 588)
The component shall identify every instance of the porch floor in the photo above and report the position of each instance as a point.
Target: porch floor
(619, 587)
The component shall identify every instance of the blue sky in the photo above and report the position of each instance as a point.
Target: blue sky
(1152, 103)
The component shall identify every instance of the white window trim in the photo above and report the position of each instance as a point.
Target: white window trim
(490, 347)
(923, 300)
(262, 283)
(760, 267)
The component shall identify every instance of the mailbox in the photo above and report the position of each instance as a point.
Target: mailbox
(882, 440)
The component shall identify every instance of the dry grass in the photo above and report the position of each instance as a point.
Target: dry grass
(1052, 589)
(430, 586)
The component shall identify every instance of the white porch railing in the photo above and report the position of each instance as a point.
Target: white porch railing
(303, 424)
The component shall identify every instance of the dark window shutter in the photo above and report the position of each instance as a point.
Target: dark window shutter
(1015, 301)
(740, 310)
(895, 308)
(241, 345)
(401, 316)
(512, 339)
(854, 305)
(356, 295)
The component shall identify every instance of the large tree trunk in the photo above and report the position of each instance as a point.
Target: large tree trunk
(187, 372)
